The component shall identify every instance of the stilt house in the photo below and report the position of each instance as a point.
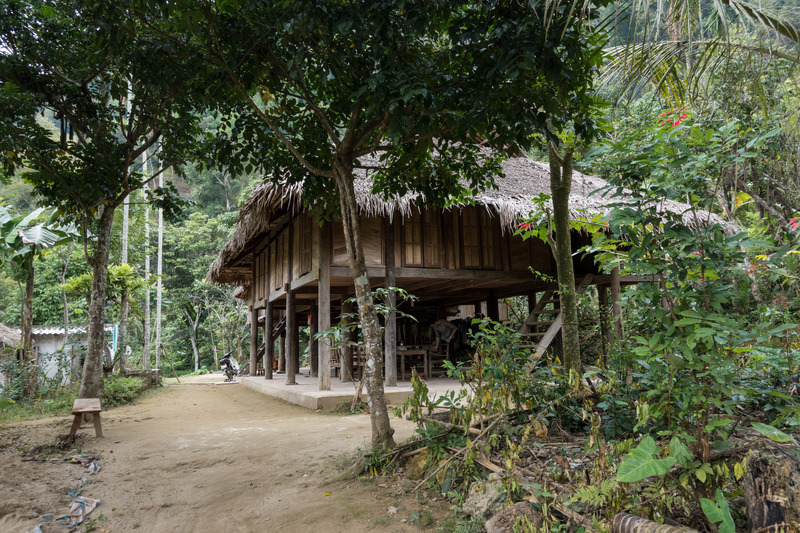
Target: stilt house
(293, 270)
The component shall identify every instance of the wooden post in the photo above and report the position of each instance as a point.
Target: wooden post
(253, 338)
(390, 331)
(324, 305)
(605, 331)
(282, 352)
(313, 345)
(346, 373)
(269, 342)
(295, 336)
(492, 309)
(291, 325)
(616, 308)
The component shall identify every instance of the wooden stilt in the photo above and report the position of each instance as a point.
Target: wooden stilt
(253, 339)
(269, 342)
(291, 325)
(295, 336)
(313, 345)
(282, 352)
(492, 309)
(324, 306)
(347, 350)
(390, 330)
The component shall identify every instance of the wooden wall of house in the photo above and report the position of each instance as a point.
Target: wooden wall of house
(468, 238)
(371, 238)
(303, 245)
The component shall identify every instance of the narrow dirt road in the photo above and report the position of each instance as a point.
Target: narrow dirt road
(202, 457)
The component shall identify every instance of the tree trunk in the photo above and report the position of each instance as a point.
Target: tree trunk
(62, 277)
(159, 284)
(146, 328)
(124, 305)
(27, 330)
(194, 324)
(196, 353)
(770, 492)
(379, 416)
(123, 329)
(27, 311)
(560, 186)
(213, 348)
(92, 377)
(628, 523)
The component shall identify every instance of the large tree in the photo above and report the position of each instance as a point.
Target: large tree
(78, 63)
(401, 88)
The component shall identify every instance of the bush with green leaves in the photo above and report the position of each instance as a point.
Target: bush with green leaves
(118, 390)
(18, 376)
(698, 357)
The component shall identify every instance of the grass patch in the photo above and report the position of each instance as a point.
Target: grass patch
(57, 401)
(344, 408)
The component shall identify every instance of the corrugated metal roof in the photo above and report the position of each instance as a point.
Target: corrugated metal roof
(59, 330)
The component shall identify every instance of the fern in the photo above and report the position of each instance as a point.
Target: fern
(596, 496)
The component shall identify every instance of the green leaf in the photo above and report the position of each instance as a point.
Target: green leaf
(772, 433)
(719, 512)
(717, 423)
(680, 451)
(641, 463)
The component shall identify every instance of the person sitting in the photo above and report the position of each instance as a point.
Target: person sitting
(443, 330)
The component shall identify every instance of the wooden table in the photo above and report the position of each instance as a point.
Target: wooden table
(411, 354)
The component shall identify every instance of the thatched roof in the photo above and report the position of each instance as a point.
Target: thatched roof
(522, 180)
(9, 336)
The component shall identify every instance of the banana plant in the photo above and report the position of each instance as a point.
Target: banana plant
(21, 238)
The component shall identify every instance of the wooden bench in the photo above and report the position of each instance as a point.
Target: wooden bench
(83, 406)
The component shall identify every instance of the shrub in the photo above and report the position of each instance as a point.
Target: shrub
(119, 390)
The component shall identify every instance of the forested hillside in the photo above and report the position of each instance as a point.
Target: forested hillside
(190, 245)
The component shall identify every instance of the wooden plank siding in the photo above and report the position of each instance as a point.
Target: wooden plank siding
(433, 244)
(371, 239)
(302, 245)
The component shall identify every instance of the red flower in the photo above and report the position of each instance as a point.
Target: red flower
(678, 115)
(794, 223)
(524, 226)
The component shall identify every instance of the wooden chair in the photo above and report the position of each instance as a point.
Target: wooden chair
(83, 406)
(436, 360)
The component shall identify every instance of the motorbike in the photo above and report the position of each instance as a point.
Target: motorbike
(228, 366)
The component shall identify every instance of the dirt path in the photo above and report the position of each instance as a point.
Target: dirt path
(202, 457)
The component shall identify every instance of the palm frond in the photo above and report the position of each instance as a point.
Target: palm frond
(764, 18)
(678, 68)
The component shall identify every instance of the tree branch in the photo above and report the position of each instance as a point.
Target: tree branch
(261, 114)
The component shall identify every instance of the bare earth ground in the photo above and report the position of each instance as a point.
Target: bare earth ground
(204, 457)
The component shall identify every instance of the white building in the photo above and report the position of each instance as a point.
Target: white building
(53, 355)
